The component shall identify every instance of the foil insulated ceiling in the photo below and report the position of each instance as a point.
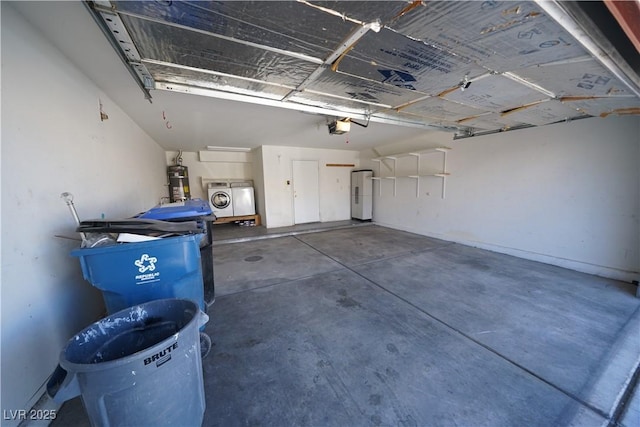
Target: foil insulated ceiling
(465, 67)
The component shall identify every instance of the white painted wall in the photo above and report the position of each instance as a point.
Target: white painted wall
(258, 183)
(53, 141)
(270, 167)
(335, 184)
(565, 194)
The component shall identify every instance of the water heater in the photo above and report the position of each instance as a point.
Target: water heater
(178, 176)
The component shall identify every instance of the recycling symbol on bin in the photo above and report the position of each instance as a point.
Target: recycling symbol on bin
(146, 263)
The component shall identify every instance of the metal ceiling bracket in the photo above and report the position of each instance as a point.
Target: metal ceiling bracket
(516, 78)
(576, 23)
(331, 12)
(232, 96)
(213, 73)
(337, 54)
(378, 118)
(470, 134)
(310, 78)
(367, 104)
(117, 35)
(351, 40)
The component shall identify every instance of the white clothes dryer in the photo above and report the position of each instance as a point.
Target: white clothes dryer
(243, 199)
(220, 199)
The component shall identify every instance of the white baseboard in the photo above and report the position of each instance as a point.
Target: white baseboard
(583, 267)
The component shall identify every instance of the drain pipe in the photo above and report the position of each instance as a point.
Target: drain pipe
(68, 198)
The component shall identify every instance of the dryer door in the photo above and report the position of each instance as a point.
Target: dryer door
(220, 200)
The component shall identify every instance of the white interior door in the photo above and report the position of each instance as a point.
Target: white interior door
(306, 191)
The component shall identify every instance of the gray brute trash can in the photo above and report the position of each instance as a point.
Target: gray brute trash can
(137, 367)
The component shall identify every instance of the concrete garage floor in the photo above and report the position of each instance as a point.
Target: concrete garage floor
(367, 326)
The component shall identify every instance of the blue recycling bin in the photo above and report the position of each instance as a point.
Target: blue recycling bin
(192, 210)
(134, 273)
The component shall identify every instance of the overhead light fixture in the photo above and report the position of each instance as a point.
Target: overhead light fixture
(216, 148)
(338, 127)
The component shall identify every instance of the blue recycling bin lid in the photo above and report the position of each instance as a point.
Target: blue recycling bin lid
(179, 210)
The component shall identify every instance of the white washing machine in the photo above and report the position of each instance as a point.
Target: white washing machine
(220, 199)
(243, 199)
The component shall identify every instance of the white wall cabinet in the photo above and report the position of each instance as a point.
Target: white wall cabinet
(442, 173)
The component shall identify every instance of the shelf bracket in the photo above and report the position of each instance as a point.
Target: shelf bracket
(444, 173)
(417, 156)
